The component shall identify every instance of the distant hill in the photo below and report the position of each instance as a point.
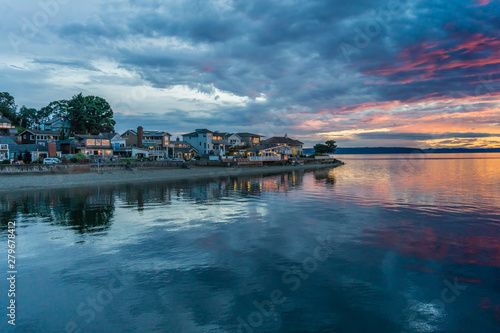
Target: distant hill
(407, 150)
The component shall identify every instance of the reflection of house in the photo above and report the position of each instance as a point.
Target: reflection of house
(6, 127)
(294, 145)
(38, 137)
(58, 124)
(250, 139)
(93, 146)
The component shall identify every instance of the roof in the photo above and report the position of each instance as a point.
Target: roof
(258, 148)
(185, 150)
(53, 120)
(5, 120)
(248, 134)
(154, 132)
(109, 135)
(39, 132)
(281, 139)
(29, 147)
(7, 140)
(180, 142)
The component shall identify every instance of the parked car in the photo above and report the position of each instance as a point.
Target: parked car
(51, 160)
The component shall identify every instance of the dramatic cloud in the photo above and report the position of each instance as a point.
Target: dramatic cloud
(366, 73)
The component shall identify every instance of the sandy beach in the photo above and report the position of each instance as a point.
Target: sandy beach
(47, 181)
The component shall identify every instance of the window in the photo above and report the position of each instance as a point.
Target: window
(205, 145)
(90, 142)
(98, 142)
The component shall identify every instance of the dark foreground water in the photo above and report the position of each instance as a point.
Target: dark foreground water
(382, 244)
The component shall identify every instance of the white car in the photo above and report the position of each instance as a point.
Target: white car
(51, 160)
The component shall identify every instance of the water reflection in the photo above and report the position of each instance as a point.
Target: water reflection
(89, 210)
(204, 256)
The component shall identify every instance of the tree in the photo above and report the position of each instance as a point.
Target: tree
(27, 157)
(331, 144)
(8, 107)
(28, 117)
(328, 147)
(90, 115)
(54, 109)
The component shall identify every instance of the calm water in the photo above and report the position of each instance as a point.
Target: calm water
(382, 244)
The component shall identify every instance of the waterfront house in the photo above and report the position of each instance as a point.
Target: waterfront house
(228, 139)
(182, 149)
(202, 141)
(250, 139)
(6, 127)
(38, 137)
(263, 153)
(4, 147)
(116, 140)
(287, 143)
(57, 124)
(92, 146)
(157, 142)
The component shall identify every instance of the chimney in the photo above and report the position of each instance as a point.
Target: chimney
(140, 136)
(52, 149)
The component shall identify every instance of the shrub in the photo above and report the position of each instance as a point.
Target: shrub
(77, 157)
(6, 162)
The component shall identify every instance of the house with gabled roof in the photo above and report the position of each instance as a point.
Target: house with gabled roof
(284, 141)
(57, 124)
(250, 139)
(6, 127)
(39, 137)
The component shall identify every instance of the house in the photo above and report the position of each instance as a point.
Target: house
(284, 141)
(202, 140)
(182, 149)
(157, 142)
(4, 147)
(147, 138)
(6, 127)
(57, 124)
(37, 152)
(229, 139)
(93, 146)
(263, 153)
(38, 137)
(250, 139)
(116, 140)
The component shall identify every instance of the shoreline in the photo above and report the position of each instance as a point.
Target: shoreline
(16, 183)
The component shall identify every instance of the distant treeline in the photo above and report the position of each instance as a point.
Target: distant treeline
(405, 150)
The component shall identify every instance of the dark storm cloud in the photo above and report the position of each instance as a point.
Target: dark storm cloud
(306, 59)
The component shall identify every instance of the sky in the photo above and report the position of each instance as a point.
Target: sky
(414, 73)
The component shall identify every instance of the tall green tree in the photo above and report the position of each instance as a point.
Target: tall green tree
(8, 107)
(90, 115)
(28, 117)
